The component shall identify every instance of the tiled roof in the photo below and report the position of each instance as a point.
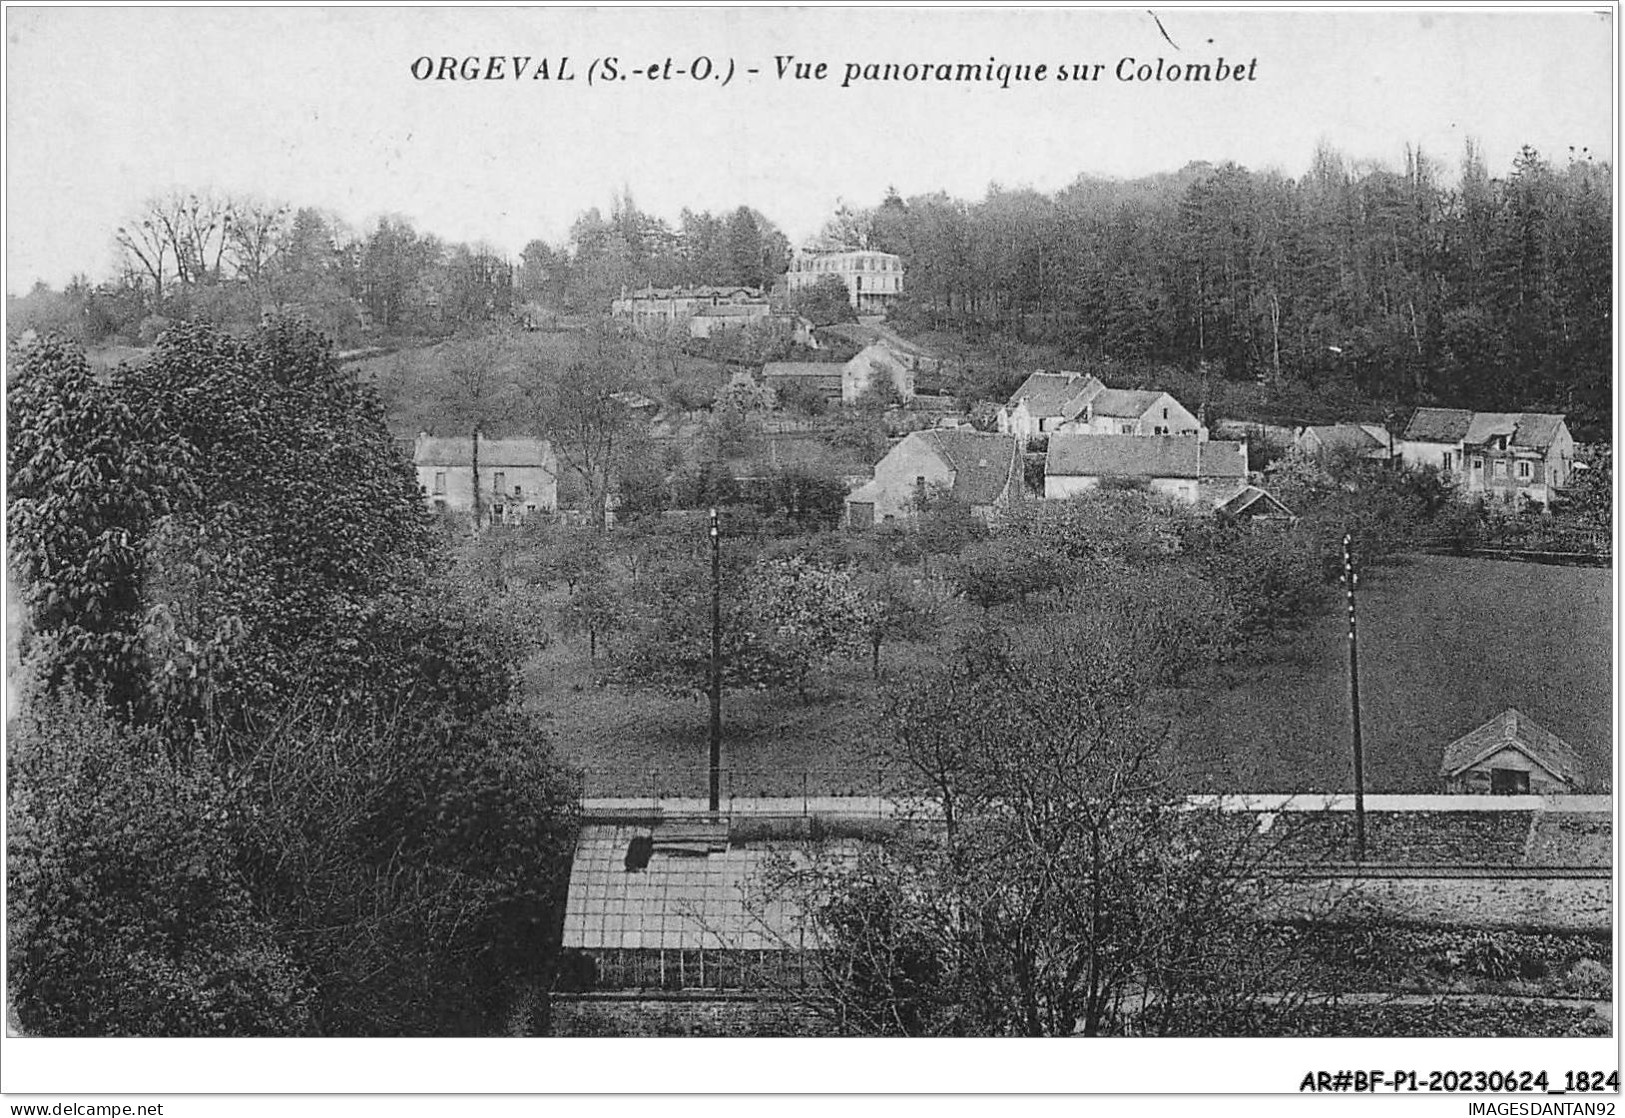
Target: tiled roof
(692, 893)
(1531, 429)
(1438, 425)
(1124, 403)
(1358, 437)
(1057, 394)
(1513, 728)
(493, 452)
(1165, 456)
(820, 374)
(864, 336)
(701, 292)
(984, 464)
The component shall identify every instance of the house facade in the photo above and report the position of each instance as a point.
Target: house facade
(882, 361)
(1201, 472)
(1045, 401)
(872, 279)
(1080, 404)
(1119, 411)
(1511, 755)
(517, 478)
(980, 469)
(1509, 455)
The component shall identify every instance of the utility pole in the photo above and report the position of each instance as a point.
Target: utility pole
(1350, 581)
(716, 666)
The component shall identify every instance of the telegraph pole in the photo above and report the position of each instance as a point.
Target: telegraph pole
(1350, 581)
(716, 665)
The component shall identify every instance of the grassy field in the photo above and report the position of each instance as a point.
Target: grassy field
(1445, 644)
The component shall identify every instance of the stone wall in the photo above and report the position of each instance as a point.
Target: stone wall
(1526, 903)
(646, 1015)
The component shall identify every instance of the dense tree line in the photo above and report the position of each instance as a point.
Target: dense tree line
(1488, 292)
(1411, 286)
(229, 261)
(630, 249)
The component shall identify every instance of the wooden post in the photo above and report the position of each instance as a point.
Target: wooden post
(716, 666)
(1350, 580)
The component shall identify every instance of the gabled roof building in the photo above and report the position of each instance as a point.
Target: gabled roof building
(1511, 755)
(981, 470)
(1196, 471)
(1511, 455)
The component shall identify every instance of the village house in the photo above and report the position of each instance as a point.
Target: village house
(1080, 404)
(981, 470)
(872, 279)
(1511, 755)
(517, 477)
(827, 378)
(1368, 441)
(1045, 401)
(1123, 411)
(1513, 456)
(1201, 472)
(911, 367)
(886, 359)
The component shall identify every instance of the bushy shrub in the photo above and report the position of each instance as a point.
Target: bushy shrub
(128, 914)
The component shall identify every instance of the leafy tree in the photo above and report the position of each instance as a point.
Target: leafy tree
(91, 474)
(781, 619)
(999, 570)
(897, 609)
(824, 302)
(283, 677)
(804, 616)
(297, 480)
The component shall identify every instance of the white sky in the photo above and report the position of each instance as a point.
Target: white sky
(317, 106)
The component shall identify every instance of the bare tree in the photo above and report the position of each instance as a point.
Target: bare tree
(146, 242)
(254, 237)
(1047, 880)
(586, 409)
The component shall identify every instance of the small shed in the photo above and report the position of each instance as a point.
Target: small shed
(1254, 502)
(1511, 755)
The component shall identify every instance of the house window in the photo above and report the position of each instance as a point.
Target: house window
(1160, 430)
(440, 482)
(1478, 465)
(1525, 471)
(516, 491)
(1509, 782)
(1500, 469)
(498, 480)
(1165, 413)
(1125, 428)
